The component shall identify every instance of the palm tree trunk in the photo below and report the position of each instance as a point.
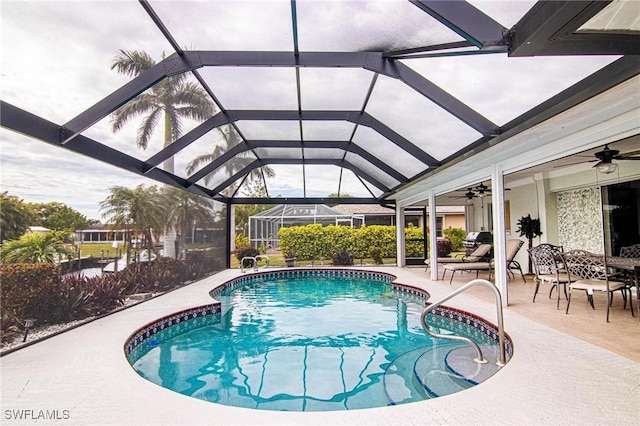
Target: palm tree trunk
(169, 237)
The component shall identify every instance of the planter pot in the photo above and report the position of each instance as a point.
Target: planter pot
(290, 262)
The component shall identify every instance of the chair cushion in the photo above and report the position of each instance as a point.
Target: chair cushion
(562, 277)
(596, 285)
(474, 266)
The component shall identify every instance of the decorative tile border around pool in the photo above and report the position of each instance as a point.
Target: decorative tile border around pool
(173, 321)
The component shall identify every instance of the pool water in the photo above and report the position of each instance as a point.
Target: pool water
(303, 344)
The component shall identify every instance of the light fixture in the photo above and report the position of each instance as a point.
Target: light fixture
(606, 167)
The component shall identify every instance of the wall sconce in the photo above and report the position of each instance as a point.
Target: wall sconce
(28, 323)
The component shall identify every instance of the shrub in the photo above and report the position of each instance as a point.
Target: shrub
(342, 258)
(444, 248)
(241, 241)
(246, 252)
(456, 236)
(29, 290)
(376, 254)
(74, 298)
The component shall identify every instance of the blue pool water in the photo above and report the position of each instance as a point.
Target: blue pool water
(305, 344)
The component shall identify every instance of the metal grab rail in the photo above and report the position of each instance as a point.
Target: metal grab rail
(480, 359)
(254, 259)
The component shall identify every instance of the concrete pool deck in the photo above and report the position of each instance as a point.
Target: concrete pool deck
(82, 377)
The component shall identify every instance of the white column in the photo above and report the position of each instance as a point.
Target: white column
(433, 237)
(400, 239)
(231, 210)
(499, 233)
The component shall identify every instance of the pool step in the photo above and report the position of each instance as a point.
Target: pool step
(443, 373)
(398, 383)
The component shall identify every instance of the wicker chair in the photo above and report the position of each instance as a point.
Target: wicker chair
(589, 273)
(549, 268)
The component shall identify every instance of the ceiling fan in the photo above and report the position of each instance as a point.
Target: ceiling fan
(604, 158)
(479, 191)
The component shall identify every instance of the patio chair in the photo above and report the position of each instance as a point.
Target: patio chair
(589, 273)
(548, 267)
(477, 255)
(628, 277)
(630, 251)
(513, 246)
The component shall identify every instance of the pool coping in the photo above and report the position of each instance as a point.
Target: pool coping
(84, 372)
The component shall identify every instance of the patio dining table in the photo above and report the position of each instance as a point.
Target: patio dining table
(628, 264)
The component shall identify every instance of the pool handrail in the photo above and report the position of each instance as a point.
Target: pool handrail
(255, 261)
(501, 343)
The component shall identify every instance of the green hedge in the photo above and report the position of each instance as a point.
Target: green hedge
(315, 241)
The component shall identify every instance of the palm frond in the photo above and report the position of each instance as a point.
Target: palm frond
(132, 62)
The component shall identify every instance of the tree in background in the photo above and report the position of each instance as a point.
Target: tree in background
(139, 210)
(35, 247)
(244, 211)
(15, 217)
(185, 210)
(59, 217)
(168, 102)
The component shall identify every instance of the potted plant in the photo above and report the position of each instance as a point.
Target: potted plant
(529, 228)
(290, 259)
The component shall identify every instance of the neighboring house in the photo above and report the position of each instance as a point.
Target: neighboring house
(100, 233)
(374, 214)
(38, 230)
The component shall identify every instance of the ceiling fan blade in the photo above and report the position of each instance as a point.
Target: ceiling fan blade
(573, 164)
(628, 155)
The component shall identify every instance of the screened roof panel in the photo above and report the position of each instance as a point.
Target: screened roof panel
(327, 130)
(372, 170)
(269, 130)
(321, 181)
(356, 26)
(41, 75)
(330, 153)
(507, 13)
(534, 79)
(347, 86)
(220, 25)
(387, 151)
(253, 87)
(351, 185)
(228, 171)
(371, 82)
(267, 153)
(287, 181)
(399, 107)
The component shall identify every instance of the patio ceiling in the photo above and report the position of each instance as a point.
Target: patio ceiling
(350, 99)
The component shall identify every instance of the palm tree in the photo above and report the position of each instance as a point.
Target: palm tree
(139, 210)
(231, 138)
(185, 209)
(171, 100)
(34, 248)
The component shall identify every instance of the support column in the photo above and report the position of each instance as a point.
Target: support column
(499, 232)
(400, 238)
(433, 238)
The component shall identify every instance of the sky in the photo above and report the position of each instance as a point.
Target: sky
(56, 58)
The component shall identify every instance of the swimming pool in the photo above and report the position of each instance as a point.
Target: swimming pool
(310, 340)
